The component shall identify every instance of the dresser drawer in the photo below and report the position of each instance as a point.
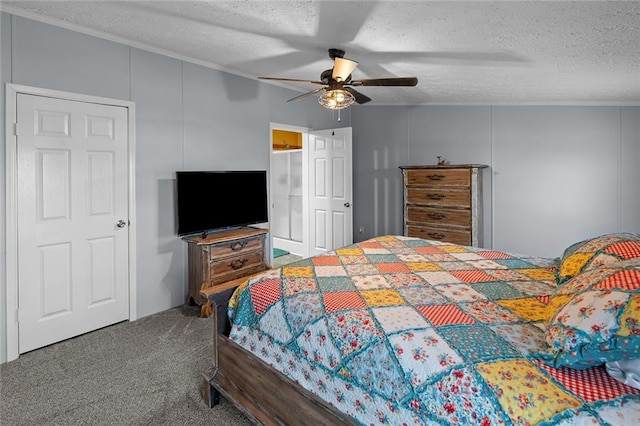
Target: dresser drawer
(439, 177)
(236, 266)
(236, 247)
(440, 234)
(439, 216)
(439, 197)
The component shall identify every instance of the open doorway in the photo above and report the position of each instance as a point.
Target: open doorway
(288, 219)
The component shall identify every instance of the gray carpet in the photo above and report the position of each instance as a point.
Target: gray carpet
(145, 372)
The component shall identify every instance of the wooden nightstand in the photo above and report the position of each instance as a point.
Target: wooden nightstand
(221, 257)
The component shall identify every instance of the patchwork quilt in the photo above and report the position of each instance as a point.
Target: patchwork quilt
(398, 330)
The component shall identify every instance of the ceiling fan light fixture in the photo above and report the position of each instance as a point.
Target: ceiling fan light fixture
(336, 99)
(342, 68)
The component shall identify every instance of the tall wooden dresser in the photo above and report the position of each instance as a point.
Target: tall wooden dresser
(444, 203)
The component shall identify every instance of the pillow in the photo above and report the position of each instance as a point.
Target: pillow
(627, 372)
(598, 251)
(599, 320)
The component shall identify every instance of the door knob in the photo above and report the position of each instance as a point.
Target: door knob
(347, 204)
(121, 223)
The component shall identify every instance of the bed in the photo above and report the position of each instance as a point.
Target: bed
(399, 330)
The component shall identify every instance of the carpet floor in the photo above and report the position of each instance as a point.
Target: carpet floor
(146, 372)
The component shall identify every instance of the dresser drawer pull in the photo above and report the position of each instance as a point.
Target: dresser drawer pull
(238, 246)
(436, 235)
(237, 264)
(436, 177)
(436, 196)
(436, 216)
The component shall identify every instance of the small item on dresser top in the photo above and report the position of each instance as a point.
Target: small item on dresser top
(442, 161)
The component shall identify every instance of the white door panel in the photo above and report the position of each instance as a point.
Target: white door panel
(331, 190)
(72, 190)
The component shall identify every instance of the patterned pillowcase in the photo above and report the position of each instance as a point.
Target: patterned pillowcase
(598, 251)
(599, 320)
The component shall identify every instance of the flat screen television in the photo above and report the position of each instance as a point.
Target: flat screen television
(208, 201)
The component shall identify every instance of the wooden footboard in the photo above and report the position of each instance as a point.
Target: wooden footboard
(262, 393)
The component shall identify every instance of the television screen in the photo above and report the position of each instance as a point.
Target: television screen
(214, 200)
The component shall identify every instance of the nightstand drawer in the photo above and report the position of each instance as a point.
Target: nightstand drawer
(439, 197)
(440, 234)
(439, 216)
(236, 247)
(236, 266)
(439, 177)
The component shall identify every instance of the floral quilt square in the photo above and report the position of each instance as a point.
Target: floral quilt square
(526, 338)
(368, 282)
(489, 312)
(350, 260)
(411, 256)
(380, 258)
(507, 274)
(439, 277)
(293, 286)
(455, 398)
(429, 250)
(328, 284)
(452, 264)
(422, 295)
(297, 271)
(395, 318)
(422, 354)
(476, 343)
(539, 289)
(316, 345)
(423, 266)
(528, 308)
(361, 269)
(460, 292)
(404, 280)
(349, 251)
(514, 263)
(539, 274)
(303, 309)
(382, 297)
(498, 290)
(352, 330)
(526, 395)
(330, 271)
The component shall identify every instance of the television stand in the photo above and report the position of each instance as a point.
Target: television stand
(223, 256)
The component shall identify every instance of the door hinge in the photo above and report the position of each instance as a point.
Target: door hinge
(15, 129)
(18, 315)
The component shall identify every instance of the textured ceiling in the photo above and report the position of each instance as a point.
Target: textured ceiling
(505, 52)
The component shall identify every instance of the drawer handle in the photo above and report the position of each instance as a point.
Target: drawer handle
(436, 216)
(237, 264)
(436, 235)
(436, 196)
(238, 246)
(436, 177)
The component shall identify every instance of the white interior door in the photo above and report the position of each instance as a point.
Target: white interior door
(330, 190)
(72, 205)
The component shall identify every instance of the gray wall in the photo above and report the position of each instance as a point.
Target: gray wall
(557, 174)
(188, 117)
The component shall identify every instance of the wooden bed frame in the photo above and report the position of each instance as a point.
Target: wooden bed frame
(261, 392)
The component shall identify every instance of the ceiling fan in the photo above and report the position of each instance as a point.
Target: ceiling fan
(337, 91)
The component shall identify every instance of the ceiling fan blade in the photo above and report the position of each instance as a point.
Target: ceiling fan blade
(291, 80)
(304, 95)
(342, 68)
(399, 81)
(360, 98)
